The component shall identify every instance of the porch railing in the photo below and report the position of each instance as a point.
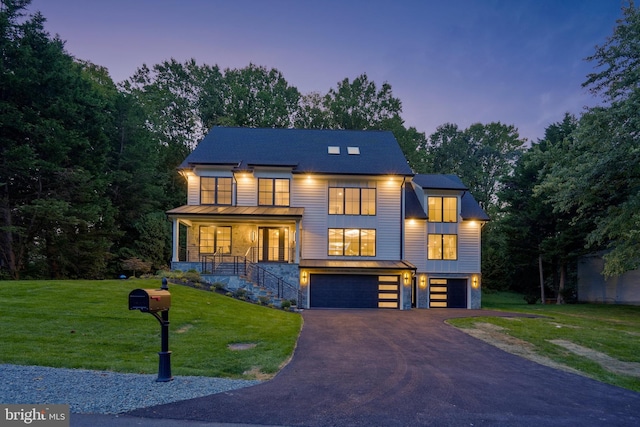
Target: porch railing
(235, 265)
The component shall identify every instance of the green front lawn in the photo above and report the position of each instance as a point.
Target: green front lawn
(608, 336)
(87, 324)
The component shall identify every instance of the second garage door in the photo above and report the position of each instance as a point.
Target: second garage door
(353, 291)
(448, 293)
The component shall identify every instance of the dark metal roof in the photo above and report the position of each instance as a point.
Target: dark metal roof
(470, 209)
(412, 207)
(304, 150)
(236, 211)
(439, 182)
(346, 264)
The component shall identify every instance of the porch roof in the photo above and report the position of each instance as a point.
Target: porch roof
(361, 264)
(209, 210)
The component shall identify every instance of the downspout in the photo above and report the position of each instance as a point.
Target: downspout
(402, 213)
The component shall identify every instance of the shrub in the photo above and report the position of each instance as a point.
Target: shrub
(285, 304)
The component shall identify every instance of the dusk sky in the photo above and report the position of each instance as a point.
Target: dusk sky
(519, 62)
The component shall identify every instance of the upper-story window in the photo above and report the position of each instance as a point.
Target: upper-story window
(443, 209)
(352, 201)
(443, 246)
(273, 192)
(215, 190)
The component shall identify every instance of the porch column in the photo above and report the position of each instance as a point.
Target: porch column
(176, 241)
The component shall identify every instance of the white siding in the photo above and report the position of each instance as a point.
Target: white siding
(246, 190)
(416, 243)
(311, 193)
(193, 190)
(389, 219)
(469, 247)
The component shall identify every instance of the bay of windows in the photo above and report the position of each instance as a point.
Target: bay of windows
(273, 192)
(443, 246)
(215, 190)
(443, 209)
(352, 242)
(352, 201)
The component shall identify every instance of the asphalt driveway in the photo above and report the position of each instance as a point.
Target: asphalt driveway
(407, 368)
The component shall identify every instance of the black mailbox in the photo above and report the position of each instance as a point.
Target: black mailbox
(151, 300)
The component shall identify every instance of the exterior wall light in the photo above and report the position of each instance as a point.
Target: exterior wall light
(423, 281)
(474, 282)
(304, 277)
(406, 279)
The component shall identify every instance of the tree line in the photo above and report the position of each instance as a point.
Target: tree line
(89, 166)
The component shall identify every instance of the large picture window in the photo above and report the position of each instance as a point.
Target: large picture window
(215, 190)
(443, 246)
(273, 192)
(443, 209)
(352, 201)
(352, 242)
(215, 239)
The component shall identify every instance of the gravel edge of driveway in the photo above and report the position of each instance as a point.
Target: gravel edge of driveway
(103, 392)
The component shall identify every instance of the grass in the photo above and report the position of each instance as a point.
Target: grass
(87, 324)
(611, 330)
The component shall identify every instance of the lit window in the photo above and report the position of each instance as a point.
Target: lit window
(273, 192)
(352, 242)
(215, 191)
(443, 209)
(352, 201)
(443, 246)
(215, 239)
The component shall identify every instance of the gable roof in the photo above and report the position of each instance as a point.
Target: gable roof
(304, 150)
(439, 182)
(470, 209)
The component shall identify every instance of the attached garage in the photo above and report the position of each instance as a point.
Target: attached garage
(354, 291)
(357, 284)
(447, 293)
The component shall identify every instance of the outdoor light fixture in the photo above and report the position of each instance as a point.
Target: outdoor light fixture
(406, 279)
(253, 236)
(304, 278)
(474, 282)
(423, 282)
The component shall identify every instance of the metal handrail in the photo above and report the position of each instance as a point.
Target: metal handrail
(237, 265)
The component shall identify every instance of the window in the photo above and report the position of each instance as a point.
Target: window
(443, 209)
(443, 246)
(352, 242)
(215, 191)
(352, 201)
(273, 192)
(215, 239)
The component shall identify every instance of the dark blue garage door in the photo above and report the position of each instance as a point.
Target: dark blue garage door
(343, 291)
(448, 293)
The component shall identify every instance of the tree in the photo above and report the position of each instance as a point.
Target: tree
(599, 176)
(54, 145)
(257, 97)
(481, 155)
(360, 105)
(536, 236)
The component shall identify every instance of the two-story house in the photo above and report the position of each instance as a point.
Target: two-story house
(339, 215)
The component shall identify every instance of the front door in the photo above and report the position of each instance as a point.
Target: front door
(273, 244)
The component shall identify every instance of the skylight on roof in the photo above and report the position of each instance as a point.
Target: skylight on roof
(333, 149)
(353, 150)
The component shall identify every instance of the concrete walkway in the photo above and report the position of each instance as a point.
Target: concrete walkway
(399, 368)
